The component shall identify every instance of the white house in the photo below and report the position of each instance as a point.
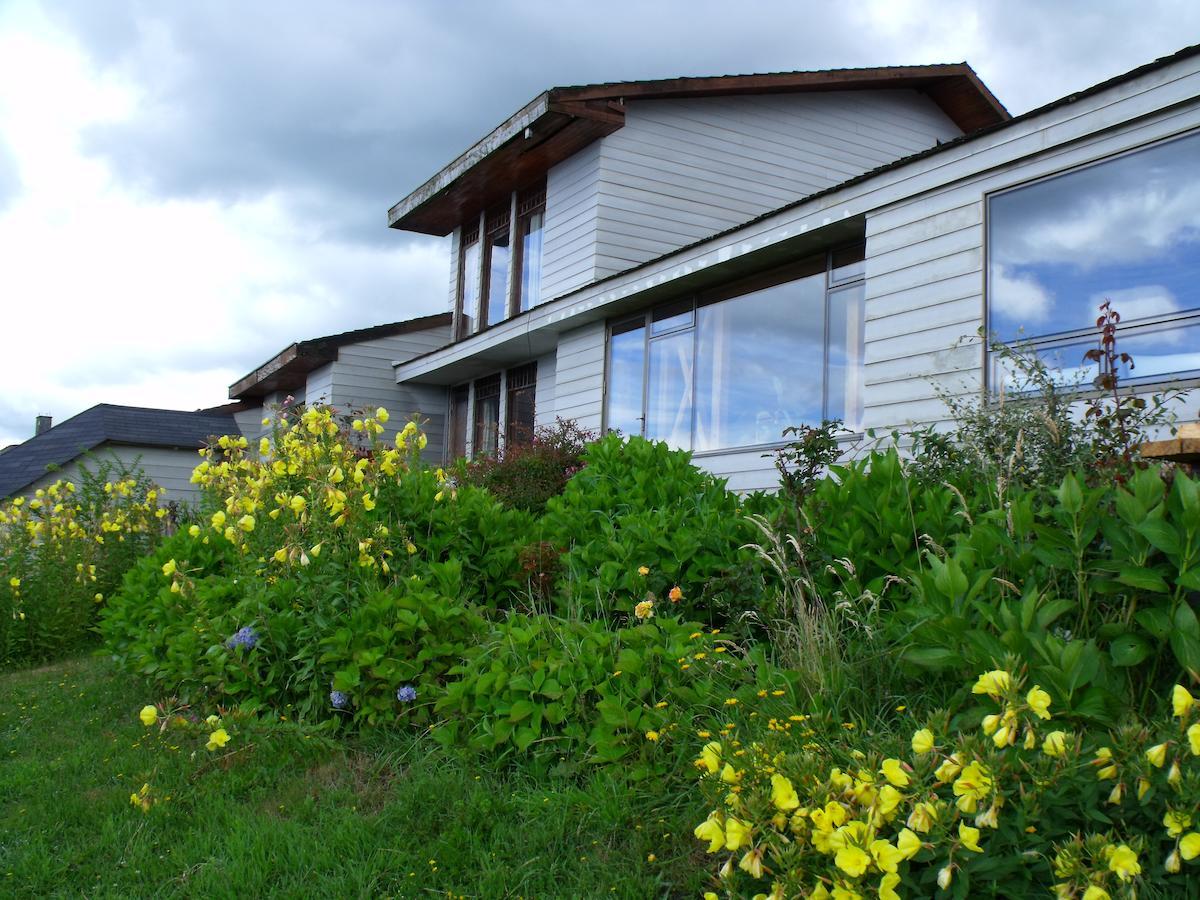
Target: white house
(708, 260)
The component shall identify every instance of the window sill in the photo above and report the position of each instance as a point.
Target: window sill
(770, 447)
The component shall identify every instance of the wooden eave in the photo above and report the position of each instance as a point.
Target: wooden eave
(286, 371)
(564, 120)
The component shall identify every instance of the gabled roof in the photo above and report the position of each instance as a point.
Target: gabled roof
(104, 423)
(564, 120)
(288, 369)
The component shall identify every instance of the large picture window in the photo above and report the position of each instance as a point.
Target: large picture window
(1127, 230)
(733, 368)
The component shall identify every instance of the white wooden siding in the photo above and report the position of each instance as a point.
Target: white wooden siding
(319, 386)
(680, 170)
(362, 377)
(249, 423)
(569, 239)
(544, 409)
(579, 375)
(170, 469)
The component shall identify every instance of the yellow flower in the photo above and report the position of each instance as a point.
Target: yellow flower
(730, 775)
(852, 860)
(212, 721)
(995, 684)
(1117, 794)
(949, 768)
(218, 520)
(246, 523)
(737, 833)
(711, 830)
(368, 503)
(1055, 743)
(644, 610)
(1176, 822)
(922, 741)
(972, 785)
(887, 800)
(1174, 775)
(923, 817)
(1189, 847)
(752, 862)
(1193, 736)
(1095, 892)
(148, 715)
(675, 594)
(908, 843)
(14, 582)
(1124, 863)
(894, 772)
(643, 570)
(969, 837)
(652, 735)
(887, 887)
(1157, 755)
(218, 738)
(1172, 864)
(1039, 702)
(168, 568)
(381, 415)
(194, 530)
(710, 757)
(944, 877)
(298, 503)
(1181, 701)
(887, 857)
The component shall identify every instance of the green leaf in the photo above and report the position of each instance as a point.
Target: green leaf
(520, 710)
(933, 657)
(1159, 533)
(1187, 652)
(1052, 611)
(1070, 495)
(1144, 579)
(1185, 621)
(1129, 650)
(1155, 621)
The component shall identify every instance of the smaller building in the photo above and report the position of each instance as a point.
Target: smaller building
(351, 370)
(163, 443)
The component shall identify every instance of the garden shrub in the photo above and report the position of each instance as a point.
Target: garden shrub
(63, 550)
(526, 475)
(1007, 796)
(638, 505)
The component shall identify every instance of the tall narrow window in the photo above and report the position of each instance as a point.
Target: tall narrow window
(496, 264)
(844, 362)
(468, 281)
(626, 376)
(487, 417)
(531, 218)
(521, 387)
(456, 440)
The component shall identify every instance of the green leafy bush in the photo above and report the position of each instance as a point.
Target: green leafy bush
(526, 475)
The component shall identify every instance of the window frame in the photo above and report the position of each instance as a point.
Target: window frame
(529, 203)
(810, 265)
(468, 237)
(1090, 334)
(516, 380)
(482, 388)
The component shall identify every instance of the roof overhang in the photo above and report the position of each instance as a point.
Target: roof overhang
(562, 121)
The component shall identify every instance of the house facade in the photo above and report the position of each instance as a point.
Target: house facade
(706, 261)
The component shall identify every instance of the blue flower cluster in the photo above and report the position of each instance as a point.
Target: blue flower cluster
(339, 699)
(245, 637)
(406, 693)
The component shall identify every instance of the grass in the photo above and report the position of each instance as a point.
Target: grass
(293, 813)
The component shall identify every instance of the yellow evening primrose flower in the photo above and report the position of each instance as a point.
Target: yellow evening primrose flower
(246, 523)
(652, 735)
(1176, 822)
(194, 531)
(737, 833)
(710, 757)
(711, 830)
(1182, 701)
(922, 817)
(751, 862)
(1055, 743)
(730, 775)
(969, 837)
(1039, 702)
(995, 684)
(852, 860)
(381, 415)
(298, 503)
(1124, 863)
(1189, 847)
(887, 887)
(1173, 863)
(922, 741)
(949, 768)
(212, 720)
(644, 610)
(218, 520)
(972, 785)
(148, 715)
(643, 571)
(887, 857)
(1095, 892)
(1157, 755)
(218, 738)
(887, 800)
(1193, 736)
(783, 794)
(894, 772)
(168, 568)
(908, 843)
(944, 877)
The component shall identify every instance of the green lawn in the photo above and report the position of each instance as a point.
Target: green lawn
(296, 814)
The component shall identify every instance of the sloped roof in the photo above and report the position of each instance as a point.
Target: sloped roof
(563, 120)
(288, 368)
(105, 423)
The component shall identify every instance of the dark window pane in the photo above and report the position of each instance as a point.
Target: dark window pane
(487, 417)
(457, 439)
(843, 387)
(522, 388)
(759, 364)
(626, 369)
(1126, 230)
(672, 317)
(669, 400)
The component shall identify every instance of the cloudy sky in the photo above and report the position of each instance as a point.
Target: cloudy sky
(186, 188)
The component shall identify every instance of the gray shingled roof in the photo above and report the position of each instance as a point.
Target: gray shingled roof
(135, 426)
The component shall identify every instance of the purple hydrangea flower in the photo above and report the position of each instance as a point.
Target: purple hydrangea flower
(245, 637)
(339, 699)
(406, 693)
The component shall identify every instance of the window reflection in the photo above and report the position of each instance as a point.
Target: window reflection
(669, 398)
(1126, 230)
(531, 260)
(626, 370)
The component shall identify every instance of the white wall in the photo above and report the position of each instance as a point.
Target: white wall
(544, 405)
(569, 241)
(169, 469)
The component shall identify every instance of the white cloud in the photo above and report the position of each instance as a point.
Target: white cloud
(1018, 298)
(1139, 302)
